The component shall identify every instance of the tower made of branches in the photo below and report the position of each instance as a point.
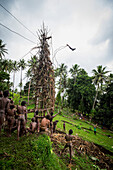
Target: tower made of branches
(44, 76)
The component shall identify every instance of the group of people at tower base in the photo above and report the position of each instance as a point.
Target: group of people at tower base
(15, 118)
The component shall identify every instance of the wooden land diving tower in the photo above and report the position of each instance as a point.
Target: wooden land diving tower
(44, 76)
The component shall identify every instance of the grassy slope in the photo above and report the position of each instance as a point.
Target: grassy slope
(23, 154)
(29, 153)
(100, 138)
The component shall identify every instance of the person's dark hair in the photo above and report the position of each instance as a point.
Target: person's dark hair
(23, 103)
(33, 119)
(1, 93)
(36, 112)
(6, 93)
(51, 113)
(48, 117)
(11, 101)
(12, 106)
(70, 131)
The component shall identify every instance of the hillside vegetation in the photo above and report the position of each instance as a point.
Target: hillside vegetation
(42, 152)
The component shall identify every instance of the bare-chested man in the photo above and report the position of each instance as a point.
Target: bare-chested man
(54, 125)
(4, 104)
(11, 113)
(33, 126)
(45, 124)
(38, 120)
(68, 138)
(51, 123)
(22, 119)
(64, 126)
(1, 94)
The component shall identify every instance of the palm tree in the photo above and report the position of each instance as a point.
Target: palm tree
(3, 50)
(15, 68)
(28, 75)
(64, 81)
(32, 63)
(21, 65)
(4, 65)
(109, 79)
(74, 71)
(60, 72)
(10, 69)
(10, 66)
(98, 79)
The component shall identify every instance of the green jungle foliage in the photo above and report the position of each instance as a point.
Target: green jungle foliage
(104, 113)
(80, 94)
(4, 78)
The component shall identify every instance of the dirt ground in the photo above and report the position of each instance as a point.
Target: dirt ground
(97, 153)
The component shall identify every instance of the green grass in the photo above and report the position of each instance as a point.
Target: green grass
(32, 106)
(83, 162)
(31, 152)
(35, 152)
(100, 138)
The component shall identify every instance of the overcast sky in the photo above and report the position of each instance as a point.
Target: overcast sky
(84, 24)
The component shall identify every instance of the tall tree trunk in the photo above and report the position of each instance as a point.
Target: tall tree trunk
(29, 91)
(13, 81)
(95, 97)
(75, 77)
(21, 82)
(8, 83)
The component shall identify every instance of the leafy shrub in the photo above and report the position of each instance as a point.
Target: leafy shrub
(34, 152)
(16, 98)
(43, 155)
